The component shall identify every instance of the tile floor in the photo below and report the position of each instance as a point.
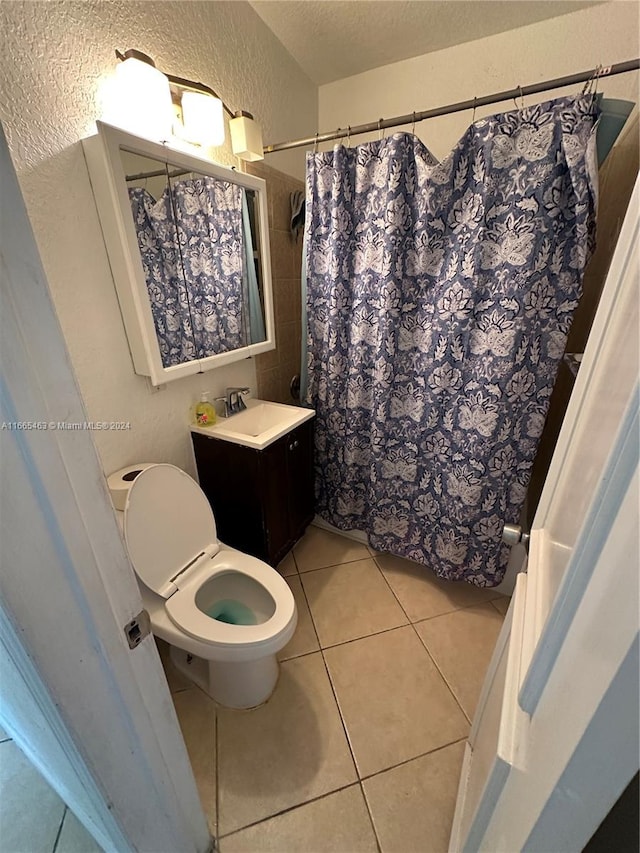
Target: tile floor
(360, 746)
(33, 818)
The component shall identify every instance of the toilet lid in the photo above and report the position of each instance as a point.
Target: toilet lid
(167, 523)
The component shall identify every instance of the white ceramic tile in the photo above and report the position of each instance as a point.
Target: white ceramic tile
(461, 643)
(304, 639)
(288, 751)
(422, 594)
(197, 717)
(30, 810)
(337, 823)
(350, 601)
(288, 566)
(412, 805)
(74, 838)
(393, 700)
(319, 548)
(502, 604)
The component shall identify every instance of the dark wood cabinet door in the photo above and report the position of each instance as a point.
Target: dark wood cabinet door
(262, 500)
(301, 498)
(274, 489)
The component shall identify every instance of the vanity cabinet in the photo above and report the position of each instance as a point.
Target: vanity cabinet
(263, 500)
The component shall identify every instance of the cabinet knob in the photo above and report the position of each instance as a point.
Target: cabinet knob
(293, 445)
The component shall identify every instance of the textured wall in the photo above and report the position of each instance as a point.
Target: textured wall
(56, 54)
(603, 34)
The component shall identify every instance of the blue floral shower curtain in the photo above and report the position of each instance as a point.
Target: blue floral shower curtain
(208, 214)
(439, 299)
(158, 244)
(197, 255)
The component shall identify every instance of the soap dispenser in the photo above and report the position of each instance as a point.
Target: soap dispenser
(204, 412)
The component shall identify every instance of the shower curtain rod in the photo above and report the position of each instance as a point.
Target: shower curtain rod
(157, 174)
(411, 118)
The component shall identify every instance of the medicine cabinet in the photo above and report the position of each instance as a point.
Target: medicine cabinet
(188, 244)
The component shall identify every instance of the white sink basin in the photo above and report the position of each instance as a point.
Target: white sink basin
(259, 425)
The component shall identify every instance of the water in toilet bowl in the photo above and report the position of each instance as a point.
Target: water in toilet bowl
(231, 611)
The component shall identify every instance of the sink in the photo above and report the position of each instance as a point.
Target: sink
(259, 425)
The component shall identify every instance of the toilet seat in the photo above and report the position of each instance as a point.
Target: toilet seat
(171, 536)
(184, 612)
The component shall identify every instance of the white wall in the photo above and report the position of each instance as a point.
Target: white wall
(602, 34)
(55, 58)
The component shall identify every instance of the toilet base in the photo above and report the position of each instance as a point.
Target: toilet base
(233, 685)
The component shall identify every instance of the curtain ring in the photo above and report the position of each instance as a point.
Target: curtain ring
(348, 135)
(380, 130)
(315, 145)
(521, 107)
(473, 116)
(413, 124)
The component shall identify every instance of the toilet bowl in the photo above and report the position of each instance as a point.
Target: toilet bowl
(224, 613)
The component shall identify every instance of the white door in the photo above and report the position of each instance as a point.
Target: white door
(94, 715)
(555, 738)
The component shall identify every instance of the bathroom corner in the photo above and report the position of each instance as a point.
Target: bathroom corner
(275, 369)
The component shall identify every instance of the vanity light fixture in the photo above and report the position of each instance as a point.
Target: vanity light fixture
(151, 113)
(246, 137)
(143, 96)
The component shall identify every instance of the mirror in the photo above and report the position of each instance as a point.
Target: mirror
(188, 244)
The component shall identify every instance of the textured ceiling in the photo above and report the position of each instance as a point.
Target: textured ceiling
(331, 39)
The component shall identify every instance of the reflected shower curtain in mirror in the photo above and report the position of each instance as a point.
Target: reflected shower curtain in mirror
(157, 241)
(439, 299)
(208, 213)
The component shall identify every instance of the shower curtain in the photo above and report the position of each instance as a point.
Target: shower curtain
(197, 255)
(158, 244)
(208, 214)
(439, 299)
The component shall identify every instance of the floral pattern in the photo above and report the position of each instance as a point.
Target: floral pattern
(192, 247)
(439, 299)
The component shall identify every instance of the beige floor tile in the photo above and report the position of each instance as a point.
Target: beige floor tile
(197, 716)
(350, 601)
(319, 548)
(423, 594)
(288, 751)
(412, 805)
(30, 811)
(175, 679)
(502, 604)
(74, 838)
(337, 823)
(288, 566)
(304, 639)
(394, 702)
(461, 643)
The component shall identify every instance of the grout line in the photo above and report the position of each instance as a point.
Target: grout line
(413, 758)
(335, 565)
(422, 642)
(342, 720)
(59, 833)
(442, 675)
(290, 809)
(370, 813)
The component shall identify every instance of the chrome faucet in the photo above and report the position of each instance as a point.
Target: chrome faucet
(234, 402)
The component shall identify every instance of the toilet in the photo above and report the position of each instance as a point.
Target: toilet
(225, 614)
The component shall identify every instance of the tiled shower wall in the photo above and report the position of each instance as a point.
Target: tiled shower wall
(276, 368)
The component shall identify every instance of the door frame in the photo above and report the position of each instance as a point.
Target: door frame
(93, 714)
